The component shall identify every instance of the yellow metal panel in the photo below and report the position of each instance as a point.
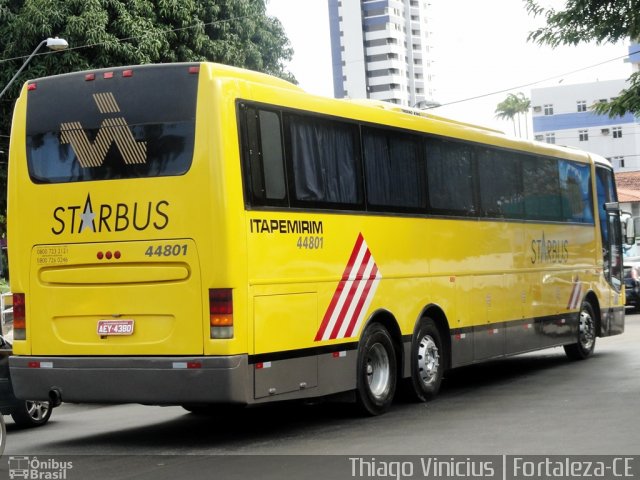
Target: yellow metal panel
(284, 322)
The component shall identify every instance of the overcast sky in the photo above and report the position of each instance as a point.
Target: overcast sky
(479, 47)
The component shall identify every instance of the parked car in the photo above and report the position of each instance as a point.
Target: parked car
(632, 285)
(25, 413)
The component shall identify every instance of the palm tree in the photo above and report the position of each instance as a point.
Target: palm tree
(524, 104)
(508, 109)
(513, 106)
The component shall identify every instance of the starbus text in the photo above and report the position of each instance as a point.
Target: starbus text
(110, 218)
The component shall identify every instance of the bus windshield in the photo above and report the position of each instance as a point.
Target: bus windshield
(111, 124)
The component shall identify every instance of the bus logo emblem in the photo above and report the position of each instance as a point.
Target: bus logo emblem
(353, 295)
(113, 130)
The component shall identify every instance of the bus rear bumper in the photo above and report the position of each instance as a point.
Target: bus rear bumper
(147, 380)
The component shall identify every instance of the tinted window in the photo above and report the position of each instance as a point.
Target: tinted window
(450, 177)
(394, 170)
(141, 125)
(500, 176)
(541, 189)
(264, 155)
(325, 161)
(575, 185)
(606, 193)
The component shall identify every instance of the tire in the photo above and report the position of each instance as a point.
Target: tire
(427, 361)
(32, 413)
(586, 343)
(376, 371)
(3, 435)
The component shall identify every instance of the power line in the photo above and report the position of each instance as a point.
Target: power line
(534, 83)
(203, 24)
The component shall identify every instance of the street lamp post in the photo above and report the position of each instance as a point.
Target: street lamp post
(54, 44)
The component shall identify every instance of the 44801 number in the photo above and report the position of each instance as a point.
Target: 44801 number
(310, 243)
(166, 250)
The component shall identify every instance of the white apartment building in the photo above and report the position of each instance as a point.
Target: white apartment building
(380, 50)
(563, 115)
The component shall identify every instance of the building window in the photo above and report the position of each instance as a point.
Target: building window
(617, 132)
(550, 137)
(548, 109)
(375, 13)
(583, 135)
(582, 105)
(617, 162)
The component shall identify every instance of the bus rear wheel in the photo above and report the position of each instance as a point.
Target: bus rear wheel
(376, 371)
(427, 361)
(586, 343)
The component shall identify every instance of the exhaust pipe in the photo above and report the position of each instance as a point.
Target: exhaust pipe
(55, 397)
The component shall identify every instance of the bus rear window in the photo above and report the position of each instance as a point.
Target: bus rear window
(112, 124)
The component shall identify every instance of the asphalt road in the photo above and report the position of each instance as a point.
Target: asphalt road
(534, 404)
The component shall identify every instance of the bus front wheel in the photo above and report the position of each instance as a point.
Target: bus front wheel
(376, 371)
(586, 334)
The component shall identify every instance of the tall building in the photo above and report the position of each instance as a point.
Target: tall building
(380, 50)
(562, 115)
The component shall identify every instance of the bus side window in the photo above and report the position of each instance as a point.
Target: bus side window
(272, 158)
(501, 190)
(324, 162)
(450, 176)
(394, 171)
(264, 156)
(542, 200)
(575, 188)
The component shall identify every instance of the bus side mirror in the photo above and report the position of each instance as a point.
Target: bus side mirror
(629, 231)
(612, 207)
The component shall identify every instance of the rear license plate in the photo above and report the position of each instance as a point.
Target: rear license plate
(115, 327)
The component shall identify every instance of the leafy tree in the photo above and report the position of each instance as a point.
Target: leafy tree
(103, 33)
(593, 20)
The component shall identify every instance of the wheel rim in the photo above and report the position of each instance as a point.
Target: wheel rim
(378, 370)
(428, 360)
(587, 330)
(37, 410)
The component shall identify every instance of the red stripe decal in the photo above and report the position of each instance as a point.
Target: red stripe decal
(363, 299)
(352, 294)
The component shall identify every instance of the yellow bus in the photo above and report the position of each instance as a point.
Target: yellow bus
(196, 234)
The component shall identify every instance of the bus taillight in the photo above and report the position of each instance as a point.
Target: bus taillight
(19, 317)
(221, 313)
